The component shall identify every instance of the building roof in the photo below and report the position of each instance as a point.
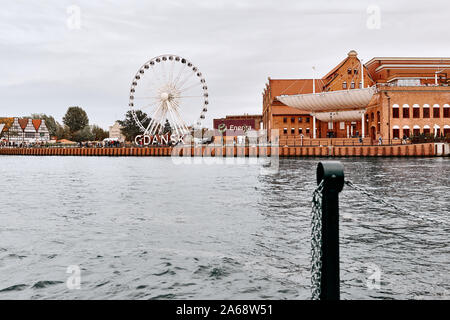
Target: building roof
(293, 86)
(23, 123)
(287, 111)
(37, 123)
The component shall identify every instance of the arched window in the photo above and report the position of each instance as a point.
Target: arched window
(446, 110)
(395, 111)
(378, 122)
(416, 130)
(396, 132)
(426, 129)
(426, 110)
(416, 111)
(406, 111)
(446, 130)
(437, 130)
(406, 131)
(436, 111)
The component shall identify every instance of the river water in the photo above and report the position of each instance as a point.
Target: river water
(148, 228)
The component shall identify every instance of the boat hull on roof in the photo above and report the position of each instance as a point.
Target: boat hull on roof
(330, 101)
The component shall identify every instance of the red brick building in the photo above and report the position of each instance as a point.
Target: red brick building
(386, 97)
(235, 125)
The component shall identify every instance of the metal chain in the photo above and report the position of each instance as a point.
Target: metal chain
(316, 241)
(399, 209)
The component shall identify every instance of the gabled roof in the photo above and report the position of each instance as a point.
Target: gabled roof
(37, 123)
(280, 87)
(23, 123)
(336, 68)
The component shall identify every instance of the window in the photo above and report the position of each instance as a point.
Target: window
(426, 111)
(426, 130)
(360, 85)
(436, 111)
(300, 119)
(416, 112)
(352, 85)
(292, 120)
(300, 131)
(342, 125)
(405, 111)
(372, 117)
(396, 133)
(285, 131)
(406, 132)
(308, 119)
(284, 119)
(416, 132)
(349, 71)
(355, 71)
(407, 82)
(344, 85)
(330, 125)
(395, 111)
(378, 121)
(292, 130)
(307, 130)
(437, 132)
(446, 111)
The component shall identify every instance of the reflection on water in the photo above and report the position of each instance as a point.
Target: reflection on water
(144, 228)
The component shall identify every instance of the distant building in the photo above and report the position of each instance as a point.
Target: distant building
(25, 130)
(115, 132)
(237, 125)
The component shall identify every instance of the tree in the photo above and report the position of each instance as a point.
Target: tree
(50, 122)
(99, 133)
(63, 132)
(76, 119)
(84, 134)
(167, 128)
(130, 129)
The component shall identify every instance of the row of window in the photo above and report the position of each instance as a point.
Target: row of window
(416, 132)
(300, 131)
(352, 85)
(300, 119)
(416, 111)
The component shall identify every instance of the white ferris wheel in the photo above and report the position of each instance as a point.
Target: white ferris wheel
(168, 88)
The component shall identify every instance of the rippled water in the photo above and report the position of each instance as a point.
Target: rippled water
(145, 228)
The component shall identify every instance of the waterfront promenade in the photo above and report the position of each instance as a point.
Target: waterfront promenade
(411, 150)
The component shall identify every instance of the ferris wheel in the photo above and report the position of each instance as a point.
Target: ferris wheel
(168, 89)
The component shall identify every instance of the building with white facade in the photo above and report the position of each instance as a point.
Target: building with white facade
(116, 133)
(25, 130)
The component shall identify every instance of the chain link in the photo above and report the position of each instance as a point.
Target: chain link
(397, 208)
(316, 241)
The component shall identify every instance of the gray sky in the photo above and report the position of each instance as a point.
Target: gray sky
(48, 64)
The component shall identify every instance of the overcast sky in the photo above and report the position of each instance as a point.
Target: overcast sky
(47, 63)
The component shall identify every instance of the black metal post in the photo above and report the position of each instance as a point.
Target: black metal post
(332, 172)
